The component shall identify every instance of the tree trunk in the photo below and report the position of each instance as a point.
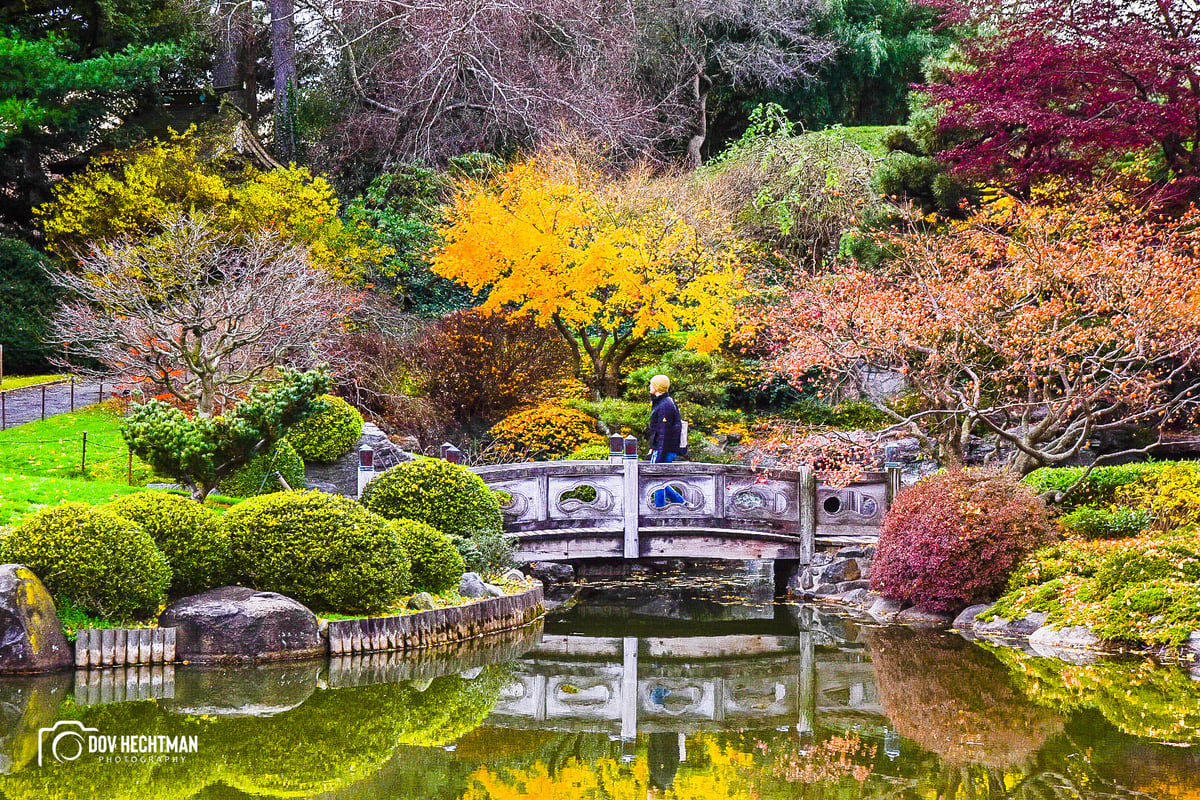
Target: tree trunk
(283, 57)
(229, 61)
(701, 84)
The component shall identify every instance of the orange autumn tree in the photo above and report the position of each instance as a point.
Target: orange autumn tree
(604, 261)
(1041, 323)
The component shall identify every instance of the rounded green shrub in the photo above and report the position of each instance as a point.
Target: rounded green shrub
(436, 562)
(187, 533)
(328, 434)
(256, 478)
(447, 496)
(99, 561)
(324, 550)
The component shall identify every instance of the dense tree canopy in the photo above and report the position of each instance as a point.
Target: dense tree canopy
(1066, 88)
(605, 262)
(1044, 323)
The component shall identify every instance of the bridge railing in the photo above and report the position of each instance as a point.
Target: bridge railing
(625, 508)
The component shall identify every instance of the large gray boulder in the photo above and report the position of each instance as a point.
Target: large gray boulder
(471, 585)
(965, 620)
(341, 476)
(236, 624)
(1017, 628)
(551, 571)
(31, 636)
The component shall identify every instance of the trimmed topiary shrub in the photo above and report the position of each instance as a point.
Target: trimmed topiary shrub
(544, 433)
(436, 562)
(956, 537)
(255, 478)
(99, 561)
(447, 496)
(328, 434)
(324, 550)
(187, 533)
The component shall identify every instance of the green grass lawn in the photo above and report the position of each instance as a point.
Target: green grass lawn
(54, 448)
(17, 381)
(868, 137)
(40, 463)
(22, 495)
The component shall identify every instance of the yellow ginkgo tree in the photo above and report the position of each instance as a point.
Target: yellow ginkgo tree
(604, 261)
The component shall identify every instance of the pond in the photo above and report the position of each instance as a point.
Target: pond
(634, 689)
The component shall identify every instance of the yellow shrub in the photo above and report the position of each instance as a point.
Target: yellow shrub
(543, 433)
(1170, 494)
(130, 193)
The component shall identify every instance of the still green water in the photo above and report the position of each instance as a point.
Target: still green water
(632, 692)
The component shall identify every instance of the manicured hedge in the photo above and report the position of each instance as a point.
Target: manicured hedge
(954, 538)
(447, 496)
(324, 550)
(1099, 488)
(187, 533)
(436, 562)
(100, 562)
(330, 433)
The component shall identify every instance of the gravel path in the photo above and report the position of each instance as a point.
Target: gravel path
(25, 404)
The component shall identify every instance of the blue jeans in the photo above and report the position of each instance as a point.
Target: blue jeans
(667, 494)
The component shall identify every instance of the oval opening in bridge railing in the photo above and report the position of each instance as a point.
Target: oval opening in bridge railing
(587, 496)
(675, 496)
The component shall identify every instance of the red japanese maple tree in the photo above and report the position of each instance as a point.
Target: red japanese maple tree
(1062, 87)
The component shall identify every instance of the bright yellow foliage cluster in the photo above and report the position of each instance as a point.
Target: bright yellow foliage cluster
(557, 240)
(131, 193)
(544, 433)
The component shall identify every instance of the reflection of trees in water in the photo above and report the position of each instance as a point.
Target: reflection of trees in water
(954, 699)
(1138, 696)
(991, 741)
(337, 737)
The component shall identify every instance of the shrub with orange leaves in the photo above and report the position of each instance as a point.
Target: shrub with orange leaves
(1040, 322)
(605, 262)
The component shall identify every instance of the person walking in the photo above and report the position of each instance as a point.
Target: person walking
(666, 428)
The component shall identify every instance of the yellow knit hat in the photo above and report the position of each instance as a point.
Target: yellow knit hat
(660, 384)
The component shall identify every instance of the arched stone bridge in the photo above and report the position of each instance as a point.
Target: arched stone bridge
(568, 510)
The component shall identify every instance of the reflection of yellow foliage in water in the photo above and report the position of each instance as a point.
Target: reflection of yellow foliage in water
(712, 772)
(953, 699)
(1140, 698)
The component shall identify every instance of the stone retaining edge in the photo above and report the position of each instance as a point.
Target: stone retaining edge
(437, 627)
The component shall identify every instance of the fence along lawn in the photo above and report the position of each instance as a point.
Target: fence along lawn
(42, 463)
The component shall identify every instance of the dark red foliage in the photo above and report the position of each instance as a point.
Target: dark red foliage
(954, 538)
(1066, 85)
(476, 366)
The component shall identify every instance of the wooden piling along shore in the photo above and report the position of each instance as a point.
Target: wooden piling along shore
(105, 648)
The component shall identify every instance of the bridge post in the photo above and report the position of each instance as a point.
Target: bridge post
(893, 482)
(631, 504)
(808, 514)
(616, 449)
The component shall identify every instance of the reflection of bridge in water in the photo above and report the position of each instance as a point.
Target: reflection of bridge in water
(626, 685)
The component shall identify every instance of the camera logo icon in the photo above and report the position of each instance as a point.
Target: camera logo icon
(64, 742)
